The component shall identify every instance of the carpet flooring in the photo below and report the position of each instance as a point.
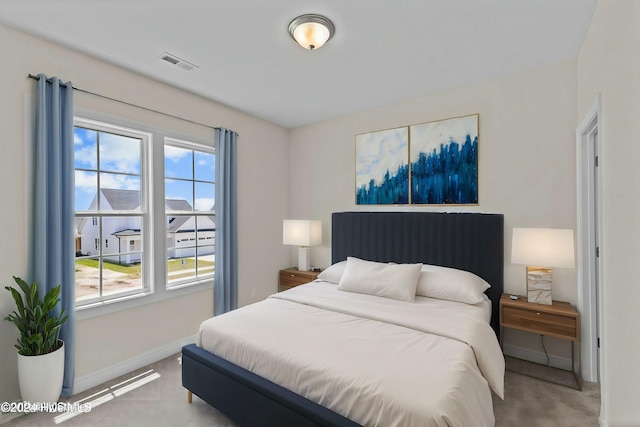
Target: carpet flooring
(154, 396)
(531, 402)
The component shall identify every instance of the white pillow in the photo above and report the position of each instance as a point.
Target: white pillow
(333, 274)
(451, 284)
(395, 281)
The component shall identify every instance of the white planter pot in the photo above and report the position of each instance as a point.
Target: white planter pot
(41, 377)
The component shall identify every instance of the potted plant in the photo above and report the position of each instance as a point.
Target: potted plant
(40, 350)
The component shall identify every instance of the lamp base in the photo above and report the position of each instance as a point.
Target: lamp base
(303, 259)
(539, 281)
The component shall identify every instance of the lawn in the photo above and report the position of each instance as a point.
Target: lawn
(189, 263)
(121, 268)
(172, 265)
(175, 266)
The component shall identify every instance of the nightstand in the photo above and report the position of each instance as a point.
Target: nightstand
(560, 320)
(292, 277)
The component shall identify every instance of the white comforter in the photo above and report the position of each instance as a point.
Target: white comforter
(377, 361)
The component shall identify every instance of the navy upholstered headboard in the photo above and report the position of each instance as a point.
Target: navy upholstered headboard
(467, 241)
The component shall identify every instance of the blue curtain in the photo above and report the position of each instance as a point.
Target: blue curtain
(53, 247)
(225, 295)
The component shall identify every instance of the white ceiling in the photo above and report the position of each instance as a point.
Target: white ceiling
(383, 51)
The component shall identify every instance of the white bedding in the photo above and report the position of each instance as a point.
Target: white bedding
(480, 311)
(377, 361)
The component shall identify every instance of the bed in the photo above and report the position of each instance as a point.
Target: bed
(352, 343)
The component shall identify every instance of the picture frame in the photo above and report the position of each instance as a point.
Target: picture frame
(382, 167)
(444, 162)
(432, 163)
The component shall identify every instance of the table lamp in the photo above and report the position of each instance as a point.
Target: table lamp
(302, 233)
(540, 249)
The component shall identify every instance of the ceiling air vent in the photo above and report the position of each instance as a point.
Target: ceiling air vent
(172, 59)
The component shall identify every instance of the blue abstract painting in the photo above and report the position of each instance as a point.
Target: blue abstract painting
(444, 161)
(382, 167)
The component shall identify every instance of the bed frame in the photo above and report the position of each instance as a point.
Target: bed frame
(467, 241)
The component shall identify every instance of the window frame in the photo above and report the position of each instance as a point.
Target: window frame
(155, 285)
(146, 139)
(188, 145)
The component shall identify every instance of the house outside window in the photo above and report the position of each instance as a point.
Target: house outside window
(109, 163)
(190, 211)
(125, 249)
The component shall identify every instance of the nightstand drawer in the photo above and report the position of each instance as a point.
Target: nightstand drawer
(540, 322)
(289, 278)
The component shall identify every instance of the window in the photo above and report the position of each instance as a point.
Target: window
(124, 247)
(108, 190)
(190, 211)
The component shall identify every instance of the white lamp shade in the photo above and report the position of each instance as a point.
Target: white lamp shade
(543, 247)
(301, 232)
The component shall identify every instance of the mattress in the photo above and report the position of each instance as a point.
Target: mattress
(377, 361)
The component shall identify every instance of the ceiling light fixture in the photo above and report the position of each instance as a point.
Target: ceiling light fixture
(311, 31)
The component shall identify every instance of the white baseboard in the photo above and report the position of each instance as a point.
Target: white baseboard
(536, 356)
(91, 380)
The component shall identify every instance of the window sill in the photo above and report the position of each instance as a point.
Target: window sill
(133, 301)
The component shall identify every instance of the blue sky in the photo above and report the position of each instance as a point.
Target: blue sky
(180, 167)
(120, 166)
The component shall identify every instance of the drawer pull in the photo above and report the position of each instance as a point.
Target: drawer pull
(293, 275)
(538, 313)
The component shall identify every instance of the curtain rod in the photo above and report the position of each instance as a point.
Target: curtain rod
(31, 76)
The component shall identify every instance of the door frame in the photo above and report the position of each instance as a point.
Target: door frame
(589, 182)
